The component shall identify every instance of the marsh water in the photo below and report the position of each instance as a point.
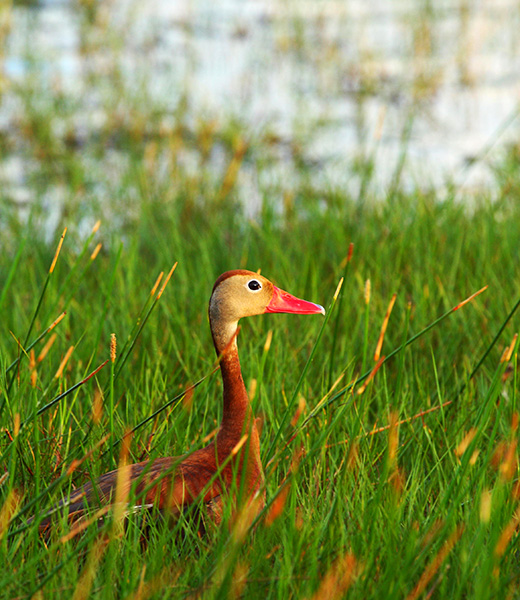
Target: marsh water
(426, 92)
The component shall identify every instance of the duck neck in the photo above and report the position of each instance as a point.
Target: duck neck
(237, 415)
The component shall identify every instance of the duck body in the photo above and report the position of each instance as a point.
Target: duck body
(232, 460)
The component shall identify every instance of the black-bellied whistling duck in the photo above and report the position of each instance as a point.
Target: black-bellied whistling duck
(174, 483)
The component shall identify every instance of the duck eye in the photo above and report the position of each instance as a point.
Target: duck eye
(254, 285)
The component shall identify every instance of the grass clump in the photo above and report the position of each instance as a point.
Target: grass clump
(405, 485)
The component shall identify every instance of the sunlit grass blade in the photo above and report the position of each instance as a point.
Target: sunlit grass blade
(38, 339)
(38, 306)
(339, 313)
(492, 344)
(127, 349)
(290, 406)
(176, 400)
(397, 350)
(60, 397)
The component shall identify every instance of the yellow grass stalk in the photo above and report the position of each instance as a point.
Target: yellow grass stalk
(466, 441)
(156, 284)
(276, 508)
(84, 524)
(435, 563)
(506, 355)
(82, 591)
(47, 347)
(166, 281)
(338, 579)
(60, 244)
(379, 345)
(96, 251)
(371, 376)
(507, 534)
(8, 510)
(485, 506)
(64, 362)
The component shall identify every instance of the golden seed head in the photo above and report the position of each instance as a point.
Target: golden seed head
(338, 289)
(113, 346)
(156, 284)
(95, 252)
(58, 251)
(268, 340)
(97, 407)
(367, 291)
(64, 362)
(16, 424)
(485, 506)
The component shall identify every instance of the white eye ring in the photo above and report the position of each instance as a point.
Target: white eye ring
(253, 285)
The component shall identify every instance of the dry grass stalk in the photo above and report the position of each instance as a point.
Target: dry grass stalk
(97, 406)
(60, 243)
(508, 351)
(166, 281)
(466, 441)
(54, 323)
(485, 506)
(379, 345)
(469, 299)
(239, 580)
(84, 524)
(436, 563)
(82, 591)
(338, 289)
(507, 534)
(8, 510)
(96, 251)
(64, 362)
(268, 340)
(276, 508)
(77, 462)
(338, 579)
(48, 345)
(347, 258)
(156, 284)
(302, 405)
(32, 368)
(371, 376)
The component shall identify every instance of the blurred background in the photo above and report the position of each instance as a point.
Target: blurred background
(251, 100)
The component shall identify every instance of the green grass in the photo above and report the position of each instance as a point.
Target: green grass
(409, 489)
(401, 510)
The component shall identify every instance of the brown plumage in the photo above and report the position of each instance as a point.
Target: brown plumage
(173, 483)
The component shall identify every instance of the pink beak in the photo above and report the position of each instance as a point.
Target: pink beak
(283, 302)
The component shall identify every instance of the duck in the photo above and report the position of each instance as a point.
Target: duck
(231, 461)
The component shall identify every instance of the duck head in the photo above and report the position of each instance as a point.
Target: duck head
(241, 293)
